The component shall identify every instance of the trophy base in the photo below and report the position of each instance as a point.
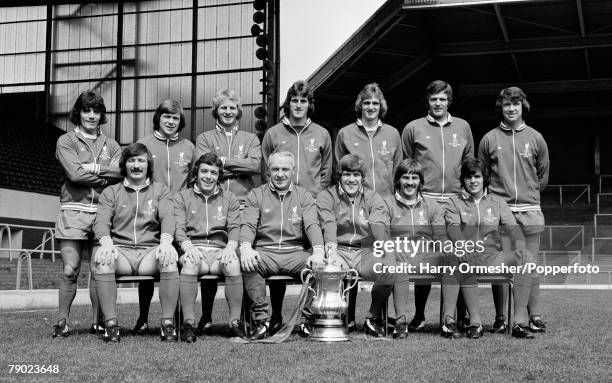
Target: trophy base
(329, 330)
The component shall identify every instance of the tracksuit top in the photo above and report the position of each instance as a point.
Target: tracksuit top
(519, 165)
(211, 221)
(468, 219)
(242, 153)
(173, 158)
(352, 223)
(312, 150)
(382, 153)
(135, 216)
(280, 221)
(81, 189)
(423, 219)
(440, 150)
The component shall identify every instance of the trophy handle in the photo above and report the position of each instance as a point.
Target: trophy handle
(304, 276)
(353, 276)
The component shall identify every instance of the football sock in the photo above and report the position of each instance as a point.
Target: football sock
(233, 295)
(401, 292)
(168, 292)
(472, 300)
(188, 292)
(106, 286)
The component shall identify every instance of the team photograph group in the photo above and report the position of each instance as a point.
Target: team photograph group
(232, 206)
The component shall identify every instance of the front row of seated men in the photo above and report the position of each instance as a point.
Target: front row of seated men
(138, 220)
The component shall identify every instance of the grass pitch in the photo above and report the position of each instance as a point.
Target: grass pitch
(577, 347)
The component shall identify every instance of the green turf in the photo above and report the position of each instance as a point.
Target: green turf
(576, 348)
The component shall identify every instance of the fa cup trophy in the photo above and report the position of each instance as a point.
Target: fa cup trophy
(329, 300)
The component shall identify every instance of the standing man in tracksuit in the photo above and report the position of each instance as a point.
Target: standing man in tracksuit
(279, 220)
(135, 226)
(240, 153)
(90, 162)
(312, 149)
(376, 143)
(173, 157)
(439, 142)
(516, 156)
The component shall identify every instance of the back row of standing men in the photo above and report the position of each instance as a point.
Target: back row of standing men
(515, 154)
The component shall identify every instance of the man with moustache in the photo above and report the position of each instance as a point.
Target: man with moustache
(134, 226)
(275, 219)
(440, 143)
(173, 157)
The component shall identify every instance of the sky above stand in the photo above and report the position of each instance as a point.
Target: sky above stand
(311, 30)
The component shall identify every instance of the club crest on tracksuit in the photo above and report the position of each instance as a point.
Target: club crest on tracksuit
(181, 161)
(149, 209)
(489, 218)
(104, 154)
(527, 151)
(311, 146)
(295, 217)
(383, 151)
(240, 151)
(454, 142)
(421, 220)
(219, 216)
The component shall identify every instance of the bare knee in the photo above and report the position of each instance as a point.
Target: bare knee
(231, 269)
(190, 268)
(71, 271)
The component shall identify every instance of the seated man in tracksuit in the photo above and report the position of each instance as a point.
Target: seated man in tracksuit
(352, 217)
(207, 229)
(274, 221)
(134, 226)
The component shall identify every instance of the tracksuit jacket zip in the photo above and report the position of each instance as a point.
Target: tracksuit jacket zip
(135, 216)
(441, 163)
(313, 161)
(174, 158)
(81, 189)
(242, 165)
(518, 163)
(265, 225)
(385, 153)
(339, 221)
(464, 216)
(192, 208)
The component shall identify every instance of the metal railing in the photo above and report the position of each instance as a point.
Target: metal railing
(48, 237)
(579, 234)
(585, 189)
